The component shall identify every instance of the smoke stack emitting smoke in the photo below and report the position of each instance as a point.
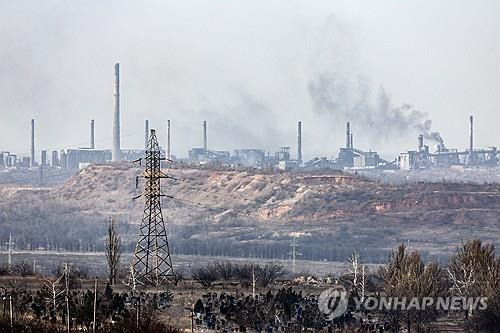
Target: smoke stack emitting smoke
(378, 119)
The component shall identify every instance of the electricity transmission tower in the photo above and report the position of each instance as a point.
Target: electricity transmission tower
(151, 263)
(294, 253)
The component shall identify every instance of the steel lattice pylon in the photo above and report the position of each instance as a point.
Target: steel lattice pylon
(151, 263)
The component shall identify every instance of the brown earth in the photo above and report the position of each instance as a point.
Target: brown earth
(225, 211)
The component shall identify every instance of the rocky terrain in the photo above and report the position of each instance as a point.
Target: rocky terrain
(252, 213)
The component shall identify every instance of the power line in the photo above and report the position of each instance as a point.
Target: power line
(79, 144)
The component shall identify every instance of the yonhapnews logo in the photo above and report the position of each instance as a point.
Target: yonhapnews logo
(333, 302)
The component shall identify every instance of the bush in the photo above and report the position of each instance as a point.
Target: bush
(22, 269)
(205, 275)
(225, 270)
(178, 275)
(243, 274)
(4, 269)
(269, 273)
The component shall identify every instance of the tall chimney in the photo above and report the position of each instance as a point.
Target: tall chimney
(92, 134)
(350, 142)
(299, 142)
(471, 147)
(116, 152)
(32, 142)
(168, 139)
(420, 142)
(205, 135)
(348, 135)
(146, 134)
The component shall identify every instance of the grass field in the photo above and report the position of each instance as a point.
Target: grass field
(95, 262)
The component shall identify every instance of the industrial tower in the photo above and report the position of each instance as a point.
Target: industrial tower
(151, 263)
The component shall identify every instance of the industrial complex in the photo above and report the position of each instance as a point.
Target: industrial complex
(284, 158)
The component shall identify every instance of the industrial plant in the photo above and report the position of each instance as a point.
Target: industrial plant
(284, 158)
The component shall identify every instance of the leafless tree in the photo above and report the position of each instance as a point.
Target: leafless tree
(354, 269)
(54, 293)
(254, 281)
(113, 251)
(225, 269)
(407, 276)
(270, 273)
(475, 272)
(363, 282)
(178, 275)
(66, 292)
(205, 275)
(469, 268)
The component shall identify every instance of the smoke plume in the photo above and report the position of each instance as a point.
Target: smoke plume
(376, 116)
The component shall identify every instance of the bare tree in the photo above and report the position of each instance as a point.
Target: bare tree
(469, 268)
(205, 275)
(363, 282)
(254, 281)
(66, 291)
(270, 273)
(475, 272)
(53, 294)
(113, 251)
(178, 275)
(406, 275)
(354, 269)
(225, 269)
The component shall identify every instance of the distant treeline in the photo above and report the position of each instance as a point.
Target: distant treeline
(314, 248)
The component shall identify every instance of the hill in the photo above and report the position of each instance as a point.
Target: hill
(252, 213)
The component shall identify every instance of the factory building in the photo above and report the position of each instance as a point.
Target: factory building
(78, 158)
(443, 157)
(55, 159)
(253, 158)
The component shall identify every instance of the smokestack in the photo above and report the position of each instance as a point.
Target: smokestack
(44, 157)
(168, 139)
(348, 135)
(471, 147)
(146, 134)
(350, 142)
(116, 152)
(32, 142)
(92, 134)
(420, 142)
(205, 135)
(299, 142)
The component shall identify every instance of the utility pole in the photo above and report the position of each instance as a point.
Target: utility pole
(95, 304)
(294, 253)
(152, 263)
(9, 246)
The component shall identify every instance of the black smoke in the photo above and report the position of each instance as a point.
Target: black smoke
(378, 117)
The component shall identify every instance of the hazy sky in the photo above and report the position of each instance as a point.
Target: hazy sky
(252, 69)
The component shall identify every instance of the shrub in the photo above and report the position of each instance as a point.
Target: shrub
(205, 275)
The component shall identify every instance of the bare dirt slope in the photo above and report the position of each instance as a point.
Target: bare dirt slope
(221, 212)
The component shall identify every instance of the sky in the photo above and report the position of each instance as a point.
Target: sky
(252, 69)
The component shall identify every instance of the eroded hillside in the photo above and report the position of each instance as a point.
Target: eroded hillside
(221, 212)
